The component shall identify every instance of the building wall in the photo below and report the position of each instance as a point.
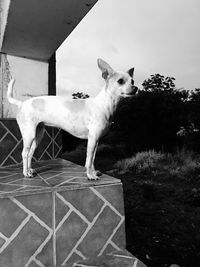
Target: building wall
(31, 80)
(4, 7)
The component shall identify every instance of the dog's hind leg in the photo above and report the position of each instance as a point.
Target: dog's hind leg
(28, 132)
(35, 143)
(27, 142)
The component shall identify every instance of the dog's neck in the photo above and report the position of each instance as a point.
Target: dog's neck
(107, 101)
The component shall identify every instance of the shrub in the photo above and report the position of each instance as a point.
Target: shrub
(182, 164)
(144, 162)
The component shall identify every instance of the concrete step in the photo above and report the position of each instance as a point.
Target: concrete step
(58, 217)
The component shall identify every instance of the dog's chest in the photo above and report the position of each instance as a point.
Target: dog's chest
(75, 124)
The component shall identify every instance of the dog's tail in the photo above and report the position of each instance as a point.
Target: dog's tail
(10, 94)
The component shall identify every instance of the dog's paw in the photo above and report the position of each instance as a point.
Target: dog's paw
(30, 173)
(92, 176)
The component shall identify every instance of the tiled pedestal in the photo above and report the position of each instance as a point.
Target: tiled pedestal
(58, 217)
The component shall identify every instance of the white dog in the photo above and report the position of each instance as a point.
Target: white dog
(84, 118)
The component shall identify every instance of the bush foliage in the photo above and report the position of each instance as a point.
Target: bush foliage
(160, 117)
(181, 164)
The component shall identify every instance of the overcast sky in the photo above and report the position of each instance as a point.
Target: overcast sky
(154, 36)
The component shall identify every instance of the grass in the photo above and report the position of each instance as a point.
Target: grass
(182, 164)
(142, 162)
(162, 204)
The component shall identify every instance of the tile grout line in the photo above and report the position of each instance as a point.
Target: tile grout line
(54, 176)
(54, 226)
(60, 149)
(15, 233)
(110, 237)
(56, 144)
(10, 153)
(45, 151)
(2, 138)
(9, 131)
(40, 176)
(114, 245)
(89, 227)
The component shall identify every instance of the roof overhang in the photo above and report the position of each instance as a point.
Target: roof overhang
(36, 28)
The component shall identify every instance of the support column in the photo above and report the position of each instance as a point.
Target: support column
(52, 75)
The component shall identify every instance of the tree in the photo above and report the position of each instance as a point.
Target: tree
(152, 118)
(80, 95)
(158, 82)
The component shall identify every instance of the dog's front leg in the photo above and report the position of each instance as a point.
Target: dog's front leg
(25, 160)
(91, 151)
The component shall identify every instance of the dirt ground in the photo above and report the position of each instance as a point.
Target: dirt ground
(162, 216)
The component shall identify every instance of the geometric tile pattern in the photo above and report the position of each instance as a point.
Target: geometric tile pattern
(90, 236)
(58, 217)
(27, 239)
(11, 143)
(117, 258)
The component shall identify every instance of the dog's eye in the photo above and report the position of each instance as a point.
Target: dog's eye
(121, 81)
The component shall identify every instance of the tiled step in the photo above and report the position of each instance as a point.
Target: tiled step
(58, 217)
(118, 258)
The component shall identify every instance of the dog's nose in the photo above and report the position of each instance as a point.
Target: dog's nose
(135, 89)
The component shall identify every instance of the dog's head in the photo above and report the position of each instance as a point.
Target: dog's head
(118, 82)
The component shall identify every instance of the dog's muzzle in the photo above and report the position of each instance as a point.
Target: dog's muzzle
(133, 91)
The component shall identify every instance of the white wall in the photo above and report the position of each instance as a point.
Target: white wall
(31, 80)
(4, 7)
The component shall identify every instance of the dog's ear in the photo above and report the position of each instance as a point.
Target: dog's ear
(131, 72)
(105, 68)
